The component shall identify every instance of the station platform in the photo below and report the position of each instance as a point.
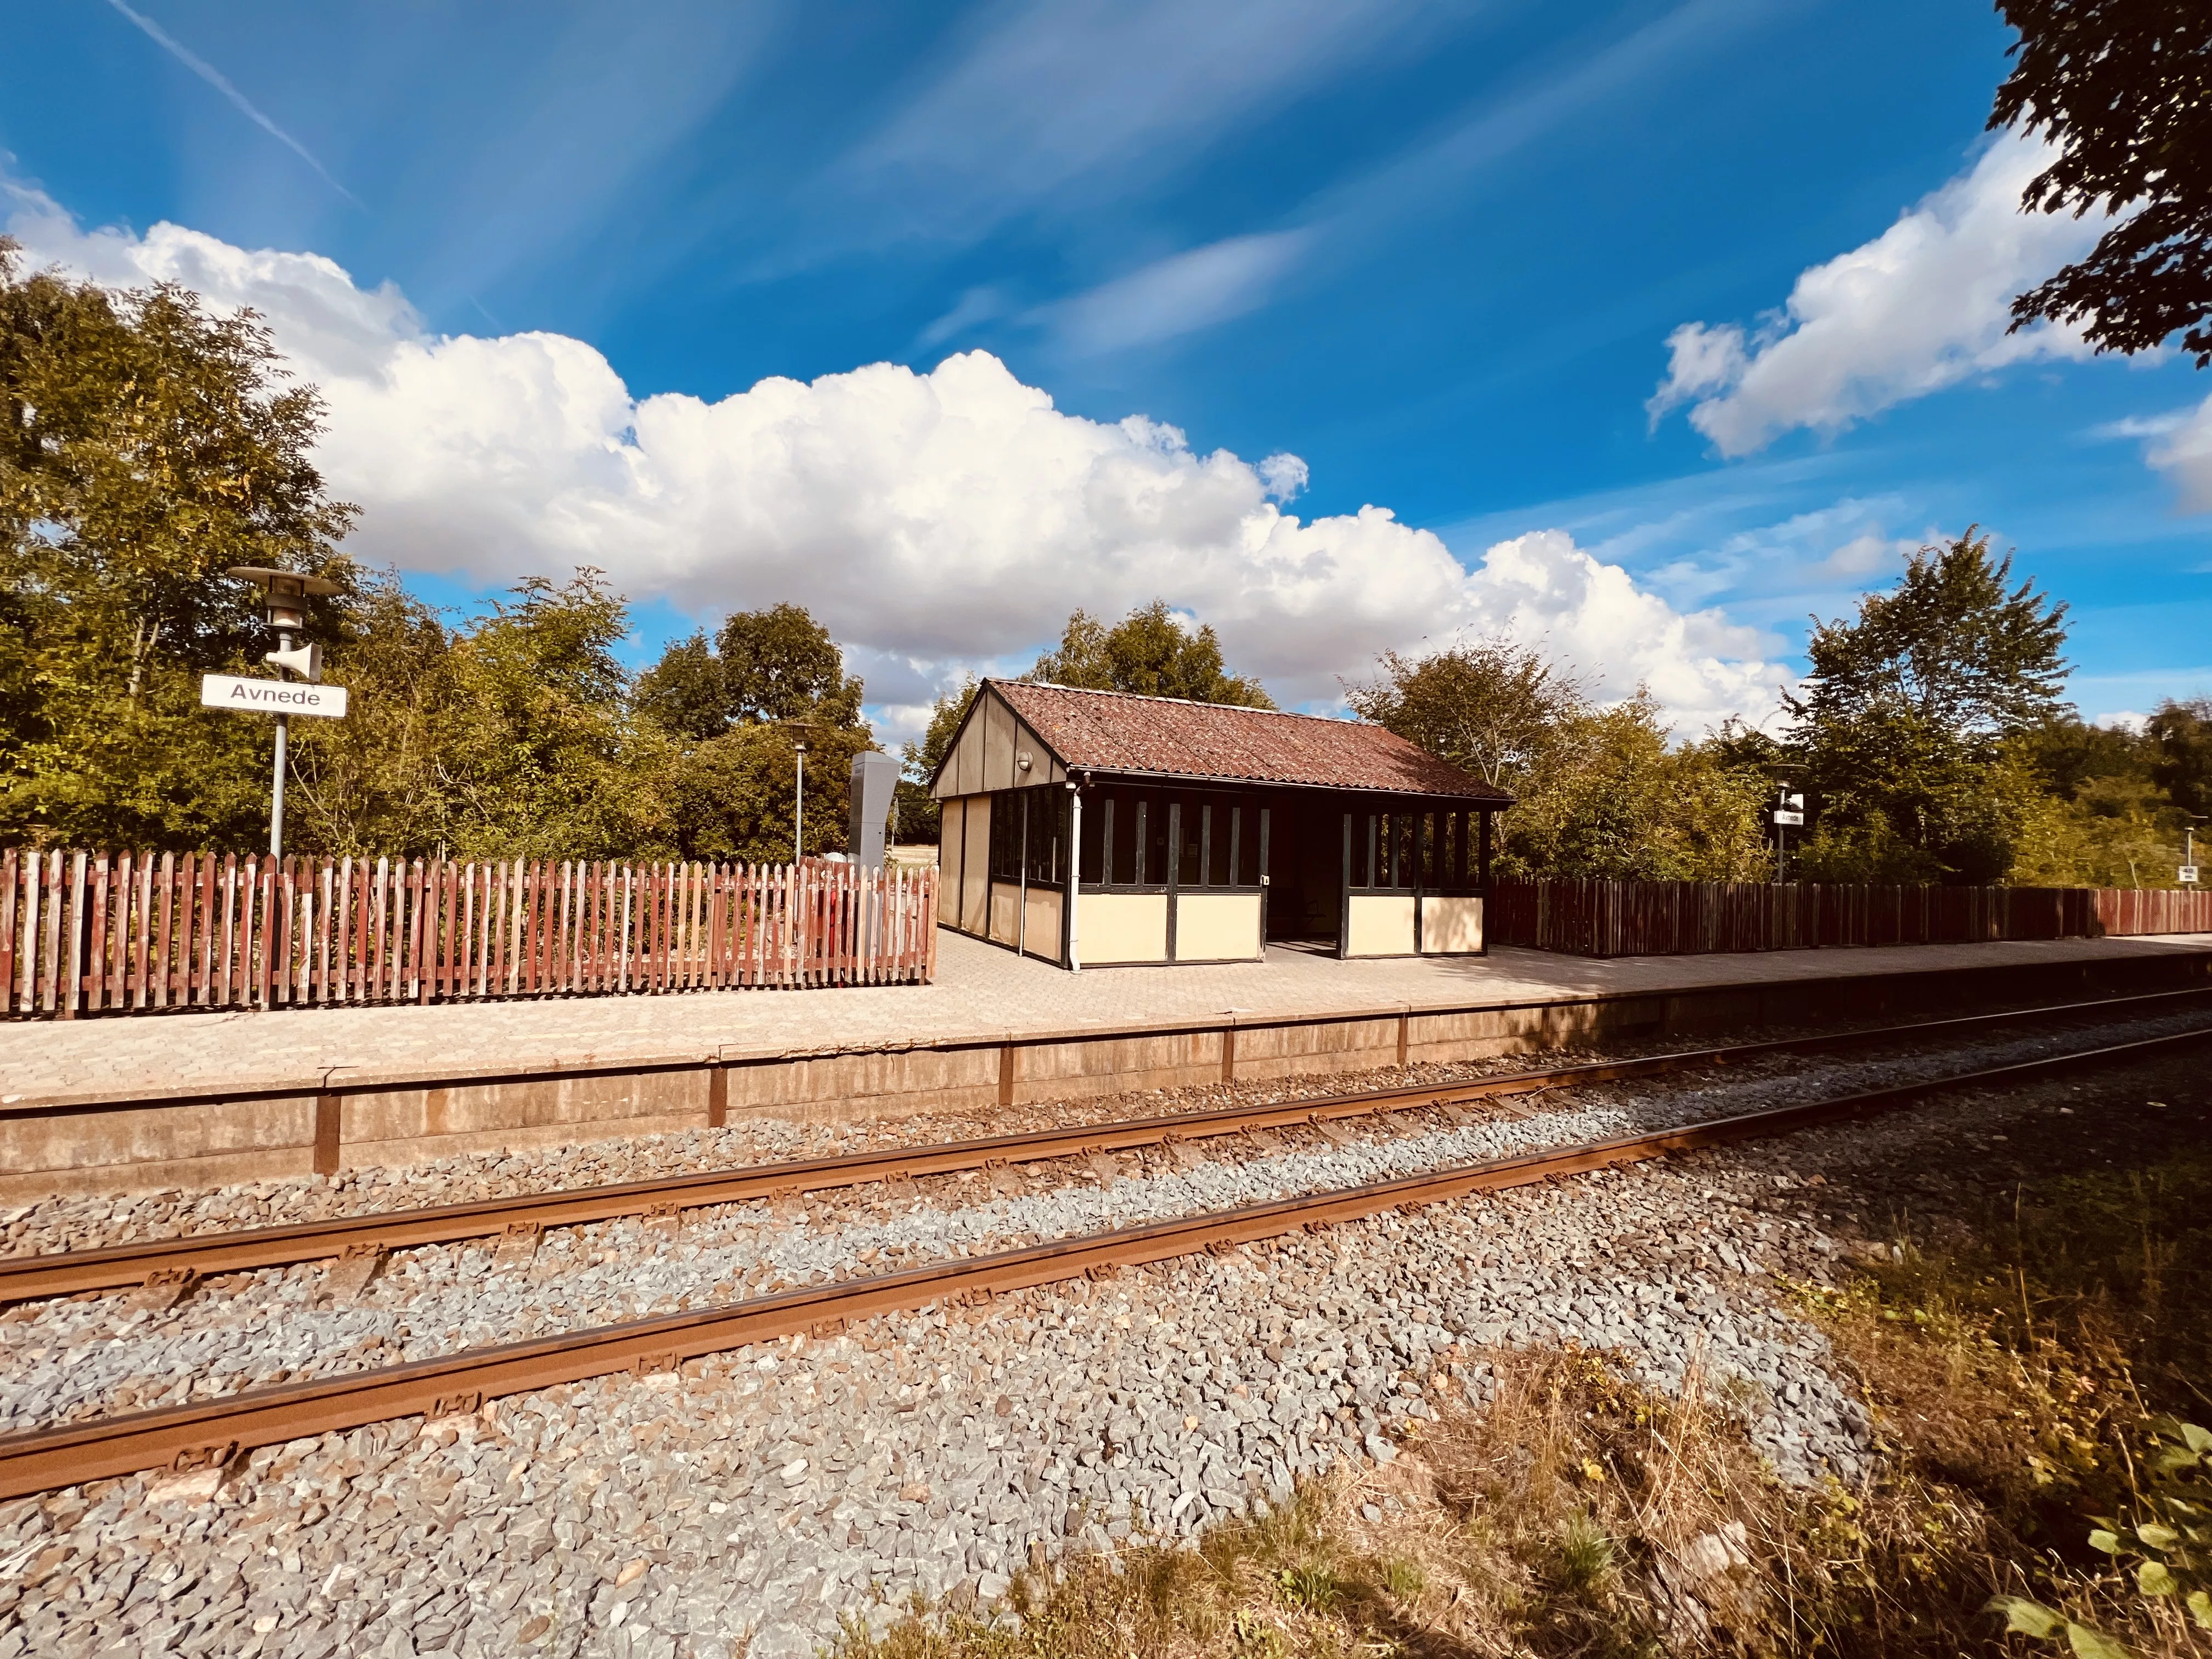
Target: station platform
(383, 1084)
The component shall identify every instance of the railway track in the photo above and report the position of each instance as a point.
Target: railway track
(213, 1432)
(361, 1241)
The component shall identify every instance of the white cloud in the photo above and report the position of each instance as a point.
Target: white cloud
(933, 520)
(2183, 453)
(1175, 295)
(1922, 306)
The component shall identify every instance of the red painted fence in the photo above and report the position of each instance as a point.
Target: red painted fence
(1681, 918)
(86, 933)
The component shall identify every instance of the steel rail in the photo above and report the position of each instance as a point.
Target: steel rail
(200, 1255)
(214, 1433)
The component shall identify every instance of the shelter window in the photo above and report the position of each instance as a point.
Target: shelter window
(1415, 852)
(1149, 838)
(1029, 837)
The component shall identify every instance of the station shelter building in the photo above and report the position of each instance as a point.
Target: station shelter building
(1091, 828)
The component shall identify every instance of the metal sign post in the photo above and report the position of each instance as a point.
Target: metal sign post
(1789, 809)
(286, 610)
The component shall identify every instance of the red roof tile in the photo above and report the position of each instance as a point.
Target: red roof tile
(1116, 731)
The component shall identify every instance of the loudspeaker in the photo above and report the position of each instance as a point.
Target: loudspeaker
(305, 660)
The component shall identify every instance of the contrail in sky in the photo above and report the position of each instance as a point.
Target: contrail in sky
(214, 78)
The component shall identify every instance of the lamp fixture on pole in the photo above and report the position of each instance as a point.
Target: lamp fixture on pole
(1789, 809)
(799, 730)
(285, 609)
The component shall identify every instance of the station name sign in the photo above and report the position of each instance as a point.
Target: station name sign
(253, 696)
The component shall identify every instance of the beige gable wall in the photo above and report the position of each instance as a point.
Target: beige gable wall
(987, 756)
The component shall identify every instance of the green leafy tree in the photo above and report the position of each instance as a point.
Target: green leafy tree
(1609, 797)
(736, 711)
(764, 666)
(375, 783)
(146, 445)
(1600, 791)
(736, 796)
(540, 757)
(2100, 816)
(1905, 713)
(1494, 708)
(686, 692)
(780, 665)
(1149, 653)
(2124, 88)
(2179, 738)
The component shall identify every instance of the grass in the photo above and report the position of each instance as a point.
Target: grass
(2012, 1355)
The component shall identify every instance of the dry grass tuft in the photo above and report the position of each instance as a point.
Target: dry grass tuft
(1574, 1514)
(2010, 1371)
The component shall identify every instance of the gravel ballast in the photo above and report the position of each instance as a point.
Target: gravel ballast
(746, 1504)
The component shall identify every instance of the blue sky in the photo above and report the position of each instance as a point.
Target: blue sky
(1436, 252)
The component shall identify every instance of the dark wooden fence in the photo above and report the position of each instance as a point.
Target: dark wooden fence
(1682, 918)
(84, 932)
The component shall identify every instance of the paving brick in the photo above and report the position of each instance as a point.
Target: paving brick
(981, 991)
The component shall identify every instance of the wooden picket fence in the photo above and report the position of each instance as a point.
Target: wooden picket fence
(93, 932)
(1680, 918)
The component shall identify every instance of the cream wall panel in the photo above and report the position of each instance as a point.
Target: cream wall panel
(1451, 925)
(952, 823)
(1043, 938)
(1005, 913)
(1122, 927)
(975, 873)
(1216, 927)
(1382, 925)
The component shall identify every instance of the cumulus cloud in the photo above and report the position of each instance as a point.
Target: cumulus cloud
(934, 520)
(1924, 305)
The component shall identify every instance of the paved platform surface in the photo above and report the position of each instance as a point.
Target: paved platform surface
(980, 992)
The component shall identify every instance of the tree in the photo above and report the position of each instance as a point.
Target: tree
(774, 665)
(2180, 739)
(540, 757)
(781, 664)
(1151, 653)
(2124, 89)
(686, 692)
(1609, 797)
(1492, 708)
(732, 793)
(1905, 712)
(1600, 792)
(145, 446)
(1950, 642)
(375, 782)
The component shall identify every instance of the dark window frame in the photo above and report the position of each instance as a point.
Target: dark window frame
(1404, 847)
(1171, 820)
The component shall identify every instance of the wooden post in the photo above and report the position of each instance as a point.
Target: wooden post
(327, 1119)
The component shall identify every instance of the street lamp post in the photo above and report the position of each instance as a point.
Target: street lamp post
(1789, 809)
(799, 801)
(285, 609)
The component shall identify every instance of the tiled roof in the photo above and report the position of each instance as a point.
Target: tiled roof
(1116, 731)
